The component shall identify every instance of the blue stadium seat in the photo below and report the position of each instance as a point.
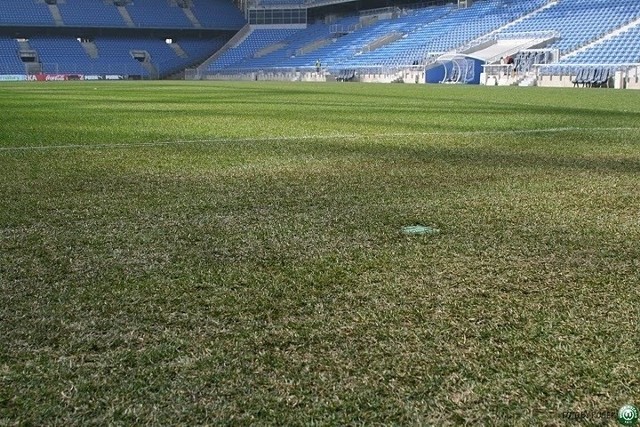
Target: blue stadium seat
(430, 29)
(65, 55)
(211, 14)
(152, 14)
(618, 49)
(580, 21)
(350, 43)
(218, 14)
(25, 12)
(87, 13)
(10, 62)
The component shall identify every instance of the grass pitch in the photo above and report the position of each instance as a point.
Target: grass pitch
(226, 253)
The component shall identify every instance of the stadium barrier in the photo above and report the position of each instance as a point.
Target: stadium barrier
(51, 77)
(379, 74)
(47, 77)
(12, 77)
(620, 76)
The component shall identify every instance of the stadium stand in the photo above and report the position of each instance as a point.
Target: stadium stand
(420, 32)
(86, 13)
(524, 62)
(446, 33)
(417, 37)
(66, 55)
(154, 14)
(595, 65)
(210, 14)
(199, 49)
(619, 49)
(99, 37)
(593, 77)
(218, 14)
(255, 41)
(327, 42)
(25, 12)
(592, 39)
(579, 21)
(10, 62)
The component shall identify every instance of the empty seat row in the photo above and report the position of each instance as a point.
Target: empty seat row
(66, 55)
(211, 14)
(621, 48)
(579, 22)
(423, 31)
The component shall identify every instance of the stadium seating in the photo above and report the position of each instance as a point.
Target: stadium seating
(594, 65)
(155, 14)
(593, 77)
(331, 52)
(10, 62)
(446, 33)
(346, 75)
(619, 49)
(24, 12)
(431, 31)
(57, 50)
(66, 55)
(87, 13)
(210, 14)
(589, 35)
(200, 49)
(255, 41)
(426, 30)
(579, 22)
(218, 14)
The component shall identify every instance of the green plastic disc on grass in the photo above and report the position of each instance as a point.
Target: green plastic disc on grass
(419, 229)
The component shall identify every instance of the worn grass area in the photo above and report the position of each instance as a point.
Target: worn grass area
(210, 253)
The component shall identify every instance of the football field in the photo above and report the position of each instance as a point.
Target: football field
(192, 253)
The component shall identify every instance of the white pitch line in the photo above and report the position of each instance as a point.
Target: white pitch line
(321, 137)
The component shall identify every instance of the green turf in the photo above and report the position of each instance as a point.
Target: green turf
(226, 253)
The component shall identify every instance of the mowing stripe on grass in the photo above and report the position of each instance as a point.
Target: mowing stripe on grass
(321, 137)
